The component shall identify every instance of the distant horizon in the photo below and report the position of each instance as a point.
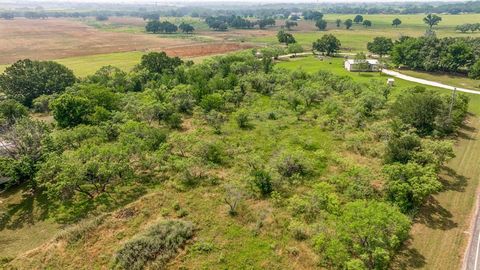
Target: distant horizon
(172, 2)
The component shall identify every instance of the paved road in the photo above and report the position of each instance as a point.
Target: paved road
(427, 82)
(472, 255)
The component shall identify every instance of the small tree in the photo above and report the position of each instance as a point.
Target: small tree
(11, 111)
(338, 22)
(367, 23)
(186, 28)
(432, 20)
(328, 44)
(242, 118)
(321, 24)
(396, 22)
(380, 45)
(262, 181)
(233, 196)
(284, 37)
(348, 23)
(295, 48)
(358, 19)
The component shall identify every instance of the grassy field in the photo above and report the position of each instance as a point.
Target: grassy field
(87, 65)
(438, 236)
(356, 38)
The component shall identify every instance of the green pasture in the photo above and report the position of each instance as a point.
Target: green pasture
(356, 38)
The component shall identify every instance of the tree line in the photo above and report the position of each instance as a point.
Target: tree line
(438, 54)
(155, 26)
(221, 23)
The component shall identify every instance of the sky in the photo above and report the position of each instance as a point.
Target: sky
(218, 1)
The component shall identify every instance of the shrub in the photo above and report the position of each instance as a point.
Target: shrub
(157, 245)
(79, 231)
(262, 181)
(212, 152)
(175, 121)
(291, 165)
(41, 104)
(243, 119)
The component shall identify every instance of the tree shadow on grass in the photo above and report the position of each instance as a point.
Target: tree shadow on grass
(408, 258)
(435, 216)
(32, 207)
(451, 180)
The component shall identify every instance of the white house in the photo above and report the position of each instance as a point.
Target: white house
(362, 65)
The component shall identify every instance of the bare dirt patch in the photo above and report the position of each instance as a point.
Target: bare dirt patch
(62, 38)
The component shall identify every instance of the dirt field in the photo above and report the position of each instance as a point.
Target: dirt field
(60, 38)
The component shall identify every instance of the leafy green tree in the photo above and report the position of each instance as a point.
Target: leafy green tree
(159, 62)
(90, 170)
(70, 110)
(475, 70)
(402, 148)
(358, 19)
(396, 22)
(419, 108)
(348, 23)
(111, 77)
(186, 28)
(153, 26)
(409, 185)
(294, 48)
(11, 111)
(365, 236)
(213, 101)
(367, 23)
(321, 24)
(26, 80)
(380, 45)
(328, 44)
(432, 20)
(284, 37)
(24, 151)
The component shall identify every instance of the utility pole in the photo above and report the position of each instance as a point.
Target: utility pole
(454, 93)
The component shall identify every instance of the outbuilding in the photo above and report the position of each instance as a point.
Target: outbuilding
(362, 65)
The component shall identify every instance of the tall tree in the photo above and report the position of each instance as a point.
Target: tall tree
(432, 20)
(396, 22)
(321, 24)
(284, 37)
(367, 23)
(358, 19)
(26, 80)
(328, 44)
(348, 23)
(380, 45)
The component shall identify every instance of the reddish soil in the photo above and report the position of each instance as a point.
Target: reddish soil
(61, 38)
